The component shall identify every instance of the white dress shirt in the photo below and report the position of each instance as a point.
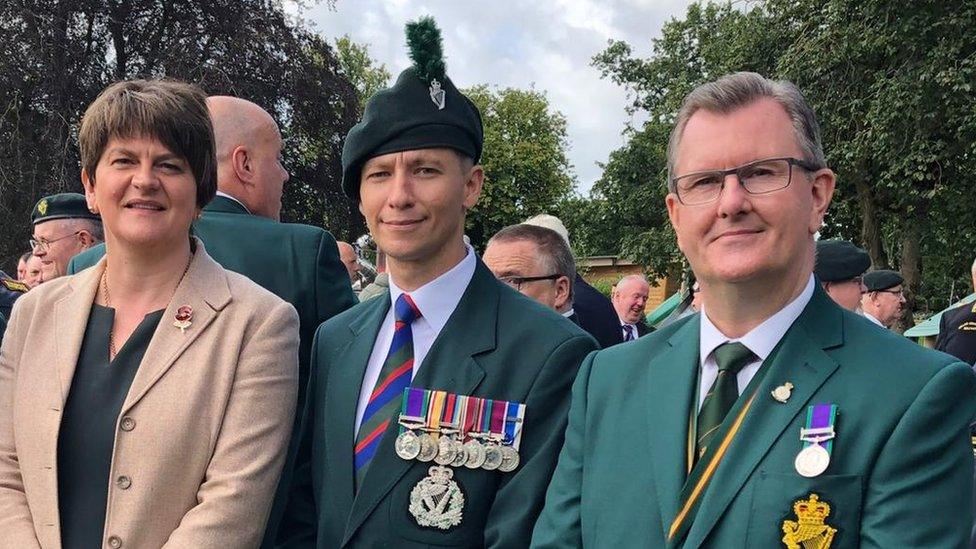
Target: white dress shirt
(436, 300)
(225, 195)
(870, 317)
(761, 340)
(633, 330)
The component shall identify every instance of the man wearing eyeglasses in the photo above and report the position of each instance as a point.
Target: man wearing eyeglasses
(63, 228)
(536, 262)
(840, 265)
(774, 417)
(883, 298)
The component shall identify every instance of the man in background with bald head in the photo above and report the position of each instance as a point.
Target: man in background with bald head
(241, 230)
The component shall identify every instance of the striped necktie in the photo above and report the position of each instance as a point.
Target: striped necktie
(630, 332)
(730, 358)
(387, 395)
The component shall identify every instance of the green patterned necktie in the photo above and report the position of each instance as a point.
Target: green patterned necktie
(730, 357)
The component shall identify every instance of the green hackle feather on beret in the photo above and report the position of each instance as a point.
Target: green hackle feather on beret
(422, 110)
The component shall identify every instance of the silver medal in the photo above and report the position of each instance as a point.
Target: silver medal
(461, 456)
(445, 451)
(510, 459)
(407, 445)
(437, 501)
(493, 457)
(476, 454)
(812, 461)
(428, 448)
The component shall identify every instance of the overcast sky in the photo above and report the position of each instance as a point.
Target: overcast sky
(547, 44)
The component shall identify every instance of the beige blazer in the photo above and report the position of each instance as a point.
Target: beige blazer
(201, 437)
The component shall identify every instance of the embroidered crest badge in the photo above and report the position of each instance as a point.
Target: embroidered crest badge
(809, 531)
(42, 207)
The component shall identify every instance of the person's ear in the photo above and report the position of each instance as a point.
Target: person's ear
(562, 291)
(241, 161)
(472, 186)
(88, 182)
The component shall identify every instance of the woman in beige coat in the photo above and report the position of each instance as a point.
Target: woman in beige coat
(145, 402)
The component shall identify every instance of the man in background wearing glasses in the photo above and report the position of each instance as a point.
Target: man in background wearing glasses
(536, 262)
(883, 297)
(774, 416)
(63, 227)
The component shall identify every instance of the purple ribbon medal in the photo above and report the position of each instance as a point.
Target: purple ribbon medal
(818, 440)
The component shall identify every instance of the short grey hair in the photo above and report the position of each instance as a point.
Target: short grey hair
(93, 226)
(737, 90)
(636, 278)
(554, 252)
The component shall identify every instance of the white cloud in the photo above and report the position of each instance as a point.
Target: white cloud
(518, 43)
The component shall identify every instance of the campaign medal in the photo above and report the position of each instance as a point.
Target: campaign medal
(437, 501)
(514, 417)
(474, 449)
(407, 444)
(494, 425)
(818, 441)
(810, 528)
(446, 449)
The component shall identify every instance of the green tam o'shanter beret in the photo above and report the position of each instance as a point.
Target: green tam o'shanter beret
(875, 281)
(839, 260)
(61, 206)
(423, 110)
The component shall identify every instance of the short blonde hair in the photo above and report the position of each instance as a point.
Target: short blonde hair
(175, 113)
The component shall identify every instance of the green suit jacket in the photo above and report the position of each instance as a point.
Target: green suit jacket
(497, 344)
(298, 263)
(900, 473)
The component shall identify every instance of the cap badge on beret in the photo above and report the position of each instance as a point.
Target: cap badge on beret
(427, 54)
(42, 206)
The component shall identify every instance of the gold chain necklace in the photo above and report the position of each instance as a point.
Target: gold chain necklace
(108, 303)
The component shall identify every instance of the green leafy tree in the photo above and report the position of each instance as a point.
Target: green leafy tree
(365, 73)
(526, 168)
(55, 57)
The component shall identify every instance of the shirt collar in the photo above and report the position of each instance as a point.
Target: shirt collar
(225, 195)
(438, 298)
(762, 339)
(870, 317)
(569, 313)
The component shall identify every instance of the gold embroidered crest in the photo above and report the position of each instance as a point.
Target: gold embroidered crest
(809, 531)
(42, 207)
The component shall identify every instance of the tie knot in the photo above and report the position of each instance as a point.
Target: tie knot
(732, 357)
(406, 310)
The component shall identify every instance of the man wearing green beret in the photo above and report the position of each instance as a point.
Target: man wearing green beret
(773, 418)
(464, 458)
(63, 228)
(883, 298)
(839, 267)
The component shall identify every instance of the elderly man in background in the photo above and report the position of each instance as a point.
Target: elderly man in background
(840, 265)
(63, 228)
(347, 254)
(629, 298)
(593, 310)
(884, 297)
(536, 262)
(241, 230)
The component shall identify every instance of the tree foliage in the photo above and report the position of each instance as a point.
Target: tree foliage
(892, 84)
(365, 73)
(55, 57)
(526, 168)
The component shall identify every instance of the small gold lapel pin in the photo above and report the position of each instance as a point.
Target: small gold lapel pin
(783, 392)
(184, 315)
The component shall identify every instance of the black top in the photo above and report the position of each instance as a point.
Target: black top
(596, 313)
(87, 434)
(957, 333)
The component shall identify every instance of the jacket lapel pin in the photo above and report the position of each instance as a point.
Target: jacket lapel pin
(783, 392)
(184, 316)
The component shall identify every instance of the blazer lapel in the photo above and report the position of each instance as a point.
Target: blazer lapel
(669, 402)
(70, 321)
(342, 387)
(801, 361)
(450, 365)
(205, 289)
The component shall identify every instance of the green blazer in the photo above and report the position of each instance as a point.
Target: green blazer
(497, 344)
(900, 473)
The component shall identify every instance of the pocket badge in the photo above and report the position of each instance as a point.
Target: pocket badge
(810, 530)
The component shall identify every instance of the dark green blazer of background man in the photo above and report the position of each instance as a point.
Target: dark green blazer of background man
(900, 457)
(497, 344)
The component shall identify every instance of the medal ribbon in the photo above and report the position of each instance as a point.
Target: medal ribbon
(820, 417)
(470, 415)
(413, 399)
(484, 415)
(434, 415)
(513, 424)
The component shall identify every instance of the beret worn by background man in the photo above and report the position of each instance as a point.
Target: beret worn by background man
(839, 260)
(61, 206)
(879, 280)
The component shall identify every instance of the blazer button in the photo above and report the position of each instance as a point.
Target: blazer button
(114, 542)
(123, 482)
(128, 423)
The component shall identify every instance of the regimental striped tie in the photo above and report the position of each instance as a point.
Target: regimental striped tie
(630, 332)
(730, 358)
(387, 395)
